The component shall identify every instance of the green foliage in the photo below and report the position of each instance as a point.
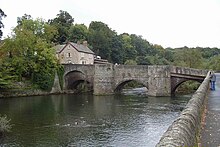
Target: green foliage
(213, 63)
(188, 87)
(78, 32)
(2, 14)
(100, 37)
(7, 76)
(60, 72)
(44, 71)
(44, 79)
(62, 23)
(188, 57)
(5, 125)
(30, 52)
(130, 62)
(132, 84)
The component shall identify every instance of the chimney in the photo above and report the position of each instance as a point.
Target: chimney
(78, 42)
(85, 43)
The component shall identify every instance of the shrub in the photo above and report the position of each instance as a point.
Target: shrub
(44, 79)
(5, 125)
(60, 72)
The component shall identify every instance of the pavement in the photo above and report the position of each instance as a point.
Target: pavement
(210, 134)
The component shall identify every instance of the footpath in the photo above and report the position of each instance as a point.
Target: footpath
(210, 135)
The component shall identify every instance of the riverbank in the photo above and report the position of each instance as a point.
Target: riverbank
(23, 93)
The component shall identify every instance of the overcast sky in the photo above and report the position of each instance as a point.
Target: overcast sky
(170, 23)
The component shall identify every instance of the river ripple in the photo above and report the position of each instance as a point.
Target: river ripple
(87, 120)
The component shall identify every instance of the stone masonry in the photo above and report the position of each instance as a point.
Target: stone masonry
(185, 129)
(108, 78)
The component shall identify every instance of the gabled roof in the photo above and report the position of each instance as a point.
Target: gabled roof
(58, 48)
(78, 47)
(82, 48)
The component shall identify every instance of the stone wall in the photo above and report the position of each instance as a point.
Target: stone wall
(108, 78)
(159, 80)
(56, 89)
(23, 93)
(123, 73)
(87, 70)
(103, 79)
(184, 130)
(188, 71)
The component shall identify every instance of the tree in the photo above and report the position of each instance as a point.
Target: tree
(116, 51)
(2, 14)
(130, 62)
(142, 46)
(142, 60)
(29, 52)
(78, 32)
(127, 47)
(100, 38)
(213, 63)
(188, 57)
(62, 22)
(7, 76)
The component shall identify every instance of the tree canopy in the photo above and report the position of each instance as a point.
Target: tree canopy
(2, 14)
(62, 22)
(29, 52)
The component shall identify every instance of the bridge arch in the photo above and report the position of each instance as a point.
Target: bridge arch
(176, 82)
(74, 78)
(118, 88)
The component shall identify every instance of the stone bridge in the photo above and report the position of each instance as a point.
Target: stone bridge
(109, 78)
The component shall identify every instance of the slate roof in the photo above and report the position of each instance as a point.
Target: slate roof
(78, 47)
(58, 48)
(82, 48)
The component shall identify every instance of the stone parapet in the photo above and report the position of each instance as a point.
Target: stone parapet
(184, 130)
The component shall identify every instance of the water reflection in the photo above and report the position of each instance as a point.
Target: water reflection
(87, 120)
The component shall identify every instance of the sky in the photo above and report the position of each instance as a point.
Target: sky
(170, 23)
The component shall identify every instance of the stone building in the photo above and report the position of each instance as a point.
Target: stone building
(74, 53)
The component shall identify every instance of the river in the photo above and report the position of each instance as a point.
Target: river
(87, 120)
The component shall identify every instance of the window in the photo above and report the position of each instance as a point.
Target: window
(83, 62)
(68, 55)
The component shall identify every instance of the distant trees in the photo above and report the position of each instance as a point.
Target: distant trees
(2, 14)
(126, 48)
(188, 57)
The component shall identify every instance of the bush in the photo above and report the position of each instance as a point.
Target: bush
(5, 125)
(44, 79)
(60, 72)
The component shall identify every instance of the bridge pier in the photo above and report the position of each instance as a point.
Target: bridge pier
(103, 79)
(159, 82)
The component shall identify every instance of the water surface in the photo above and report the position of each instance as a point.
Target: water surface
(87, 120)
